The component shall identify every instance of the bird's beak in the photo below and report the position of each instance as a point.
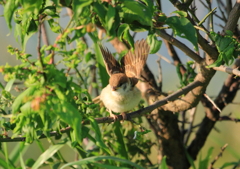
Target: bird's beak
(114, 88)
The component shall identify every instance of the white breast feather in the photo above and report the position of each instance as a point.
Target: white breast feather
(120, 101)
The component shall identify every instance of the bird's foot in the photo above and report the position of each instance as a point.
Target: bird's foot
(114, 116)
(124, 116)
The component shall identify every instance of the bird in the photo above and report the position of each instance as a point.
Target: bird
(121, 94)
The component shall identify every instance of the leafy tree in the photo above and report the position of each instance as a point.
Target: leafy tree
(61, 78)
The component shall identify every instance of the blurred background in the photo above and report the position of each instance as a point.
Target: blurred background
(224, 132)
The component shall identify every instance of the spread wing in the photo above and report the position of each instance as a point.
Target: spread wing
(112, 65)
(134, 61)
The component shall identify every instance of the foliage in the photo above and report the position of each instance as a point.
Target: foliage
(53, 99)
(188, 76)
(227, 46)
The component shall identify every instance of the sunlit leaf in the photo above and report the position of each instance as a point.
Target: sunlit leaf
(182, 27)
(110, 17)
(101, 11)
(154, 43)
(101, 66)
(78, 7)
(180, 13)
(163, 164)
(70, 115)
(48, 154)
(227, 47)
(121, 147)
(9, 85)
(205, 162)
(99, 138)
(136, 11)
(20, 99)
(9, 9)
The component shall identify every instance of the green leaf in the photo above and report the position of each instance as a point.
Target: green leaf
(163, 164)
(48, 154)
(127, 36)
(78, 7)
(105, 166)
(9, 10)
(88, 56)
(26, 108)
(149, 4)
(226, 46)
(111, 21)
(32, 6)
(51, 11)
(101, 11)
(121, 148)
(61, 96)
(21, 161)
(20, 99)
(98, 136)
(54, 26)
(154, 43)
(9, 85)
(122, 28)
(15, 153)
(7, 161)
(183, 28)
(180, 13)
(136, 11)
(30, 162)
(101, 66)
(4, 164)
(123, 33)
(33, 27)
(70, 115)
(93, 160)
(230, 164)
(190, 160)
(204, 163)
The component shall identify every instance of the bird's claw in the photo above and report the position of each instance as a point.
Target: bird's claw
(115, 117)
(124, 115)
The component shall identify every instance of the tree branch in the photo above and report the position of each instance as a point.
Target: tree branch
(180, 45)
(233, 17)
(228, 70)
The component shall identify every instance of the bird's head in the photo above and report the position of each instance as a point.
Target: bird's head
(119, 82)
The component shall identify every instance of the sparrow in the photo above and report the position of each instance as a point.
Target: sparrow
(121, 94)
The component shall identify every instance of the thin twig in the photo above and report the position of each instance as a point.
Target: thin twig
(191, 120)
(228, 70)
(227, 118)
(159, 80)
(211, 16)
(183, 124)
(223, 14)
(45, 37)
(218, 156)
(165, 59)
(209, 99)
(39, 48)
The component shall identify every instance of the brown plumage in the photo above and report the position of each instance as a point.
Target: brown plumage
(134, 61)
(131, 64)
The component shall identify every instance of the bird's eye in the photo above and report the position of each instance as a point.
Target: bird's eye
(120, 84)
